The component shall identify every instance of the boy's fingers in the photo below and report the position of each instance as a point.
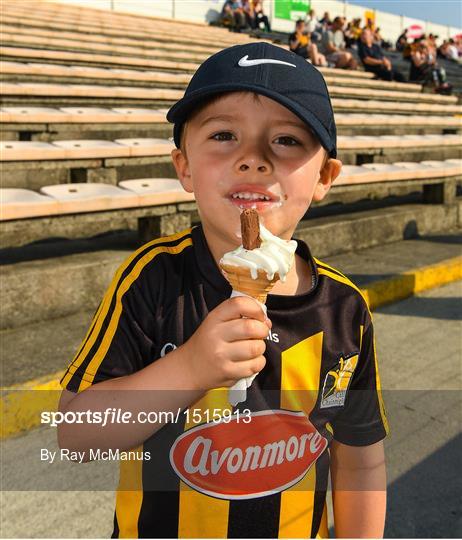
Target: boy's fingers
(241, 329)
(245, 350)
(238, 307)
(248, 368)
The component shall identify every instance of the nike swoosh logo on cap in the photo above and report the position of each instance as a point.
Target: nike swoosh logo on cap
(244, 62)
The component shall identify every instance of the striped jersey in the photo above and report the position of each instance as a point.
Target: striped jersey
(259, 469)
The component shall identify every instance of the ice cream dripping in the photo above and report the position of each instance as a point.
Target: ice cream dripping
(275, 255)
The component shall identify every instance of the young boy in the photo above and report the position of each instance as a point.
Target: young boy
(255, 128)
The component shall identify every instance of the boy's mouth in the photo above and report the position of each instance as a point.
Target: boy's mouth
(251, 196)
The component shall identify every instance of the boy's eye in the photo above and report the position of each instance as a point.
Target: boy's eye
(287, 141)
(222, 136)
(228, 136)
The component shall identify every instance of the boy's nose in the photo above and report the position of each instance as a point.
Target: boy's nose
(253, 164)
(261, 168)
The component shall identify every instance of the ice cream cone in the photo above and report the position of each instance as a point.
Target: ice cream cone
(241, 280)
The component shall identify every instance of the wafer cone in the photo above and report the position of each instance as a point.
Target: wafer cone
(241, 280)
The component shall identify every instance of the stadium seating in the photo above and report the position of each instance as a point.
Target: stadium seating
(48, 123)
(79, 198)
(42, 72)
(118, 160)
(136, 92)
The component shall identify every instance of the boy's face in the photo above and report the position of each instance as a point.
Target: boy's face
(242, 146)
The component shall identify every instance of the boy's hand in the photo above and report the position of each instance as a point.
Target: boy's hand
(227, 347)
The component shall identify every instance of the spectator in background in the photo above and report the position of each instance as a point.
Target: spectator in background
(370, 24)
(313, 26)
(442, 51)
(431, 45)
(299, 43)
(385, 44)
(353, 33)
(401, 42)
(458, 45)
(332, 46)
(325, 21)
(377, 37)
(425, 70)
(374, 60)
(233, 16)
(449, 50)
(260, 17)
(249, 13)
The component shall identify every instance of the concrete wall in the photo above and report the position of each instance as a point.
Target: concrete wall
(206, 10)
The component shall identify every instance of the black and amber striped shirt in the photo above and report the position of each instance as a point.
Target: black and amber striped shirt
(265, 479)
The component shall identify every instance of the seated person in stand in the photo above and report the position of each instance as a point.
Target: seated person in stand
(260, 16)
(325, 21)
(380, 41)
(232, 15)
(332, 46)
(300, 43)
(401, 42)
(353, 33)
(452, 50)
(249, 13)
(425, 70)
(374, 60)
(370, 24)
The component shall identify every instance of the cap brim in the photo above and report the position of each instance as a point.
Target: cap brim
(179, 112)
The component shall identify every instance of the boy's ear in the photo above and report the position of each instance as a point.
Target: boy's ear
(180, 162)
(327, 175)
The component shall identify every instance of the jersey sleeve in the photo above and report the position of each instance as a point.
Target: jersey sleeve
(363, 419)
(120, 338)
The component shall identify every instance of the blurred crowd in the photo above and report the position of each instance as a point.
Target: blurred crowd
(241, 14)
(337, 43)
(423, 53)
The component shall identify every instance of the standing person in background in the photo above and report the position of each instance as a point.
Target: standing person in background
(374, 60)
(299, 43)
(333, 44)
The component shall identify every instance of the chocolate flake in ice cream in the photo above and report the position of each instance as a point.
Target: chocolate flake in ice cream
(250, 229)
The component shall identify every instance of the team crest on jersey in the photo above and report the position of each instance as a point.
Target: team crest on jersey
(230, 459)
(337, 381)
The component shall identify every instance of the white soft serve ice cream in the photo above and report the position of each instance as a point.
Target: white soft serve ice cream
(274, 255)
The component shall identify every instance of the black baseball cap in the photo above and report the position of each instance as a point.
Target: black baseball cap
(268, 70)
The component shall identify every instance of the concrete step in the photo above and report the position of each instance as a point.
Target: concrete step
(60, 286)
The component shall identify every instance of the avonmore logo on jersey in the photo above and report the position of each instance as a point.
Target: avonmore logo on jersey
(236, 460)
